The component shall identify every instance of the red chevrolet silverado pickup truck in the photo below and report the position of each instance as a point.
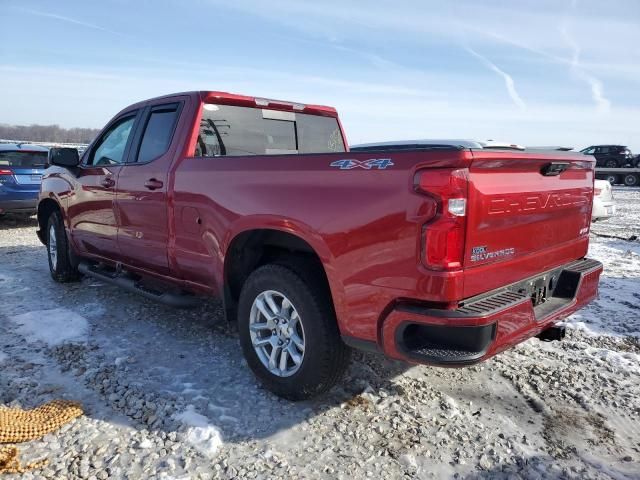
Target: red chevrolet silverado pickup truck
(440, 254)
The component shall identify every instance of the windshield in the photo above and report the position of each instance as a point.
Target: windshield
(229, 130)
(23, 159)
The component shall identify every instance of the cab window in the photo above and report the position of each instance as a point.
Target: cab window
(158, 132)
(110, 149)
(234, 131)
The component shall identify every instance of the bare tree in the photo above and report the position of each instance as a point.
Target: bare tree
(47, 133)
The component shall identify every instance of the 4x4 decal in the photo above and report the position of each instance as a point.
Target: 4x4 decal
(348, 164)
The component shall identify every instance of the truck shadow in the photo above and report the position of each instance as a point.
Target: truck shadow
(173, 359)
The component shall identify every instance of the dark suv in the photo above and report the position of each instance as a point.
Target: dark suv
(611, 156)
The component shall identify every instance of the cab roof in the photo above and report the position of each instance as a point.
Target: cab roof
(226, 98)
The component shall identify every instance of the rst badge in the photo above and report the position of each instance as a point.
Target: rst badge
(348, 164)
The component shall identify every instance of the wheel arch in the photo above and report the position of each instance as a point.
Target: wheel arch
(45, 208)
(255, 247)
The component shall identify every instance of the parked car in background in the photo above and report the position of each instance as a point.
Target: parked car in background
(21, 169)
(432, 144)
(495, 144)
(604, 206)
(610, 156)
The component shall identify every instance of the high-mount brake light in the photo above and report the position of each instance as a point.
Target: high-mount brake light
(444, 234)
(265, 102)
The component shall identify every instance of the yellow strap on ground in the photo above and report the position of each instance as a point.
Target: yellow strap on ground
(17, 425)
(9, 462)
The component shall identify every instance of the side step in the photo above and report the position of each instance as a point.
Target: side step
(131, 284)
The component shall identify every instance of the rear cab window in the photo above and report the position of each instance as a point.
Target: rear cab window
(236, 131)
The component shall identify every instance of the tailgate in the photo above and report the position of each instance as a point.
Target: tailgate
(523, 206)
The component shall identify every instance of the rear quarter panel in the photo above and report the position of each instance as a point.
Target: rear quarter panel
(57, 185)
(364, 224)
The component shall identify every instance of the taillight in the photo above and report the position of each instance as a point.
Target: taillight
(597, 192)
(4, 174)
(444, 235)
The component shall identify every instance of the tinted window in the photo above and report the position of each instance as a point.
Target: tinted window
(110, 148)
(318, 134)
(158, 132)
(227, 130)
(23, 159)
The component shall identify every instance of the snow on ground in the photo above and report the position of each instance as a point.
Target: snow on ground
(199, 432)
(168, 395)
(53, 327)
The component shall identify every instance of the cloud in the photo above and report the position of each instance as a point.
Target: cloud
(603, 105)
(74, 21)
(508, 80)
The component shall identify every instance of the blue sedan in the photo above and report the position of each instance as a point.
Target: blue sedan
(21, 169)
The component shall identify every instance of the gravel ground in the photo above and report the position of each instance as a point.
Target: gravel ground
(167, 394)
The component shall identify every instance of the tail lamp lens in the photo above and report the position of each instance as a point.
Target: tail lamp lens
(4, 176)
(457, 207)
(444, 234)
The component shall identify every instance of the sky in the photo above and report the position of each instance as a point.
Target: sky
(532, 72)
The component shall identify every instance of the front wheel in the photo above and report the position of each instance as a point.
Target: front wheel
(60, 265)
(288, 333)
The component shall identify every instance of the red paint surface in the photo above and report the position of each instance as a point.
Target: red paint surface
(365, 225)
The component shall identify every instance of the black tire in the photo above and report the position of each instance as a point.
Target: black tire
(325, 355)
(611, 164)
(64, 270)
(631, 180)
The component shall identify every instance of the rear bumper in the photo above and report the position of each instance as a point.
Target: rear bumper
(485, 325)
(19, 206)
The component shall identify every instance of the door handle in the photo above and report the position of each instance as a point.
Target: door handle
(107, 182)
(153, 184)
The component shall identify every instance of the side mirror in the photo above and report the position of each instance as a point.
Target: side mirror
(64, 157)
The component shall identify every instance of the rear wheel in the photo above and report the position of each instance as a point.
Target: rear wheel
(61, 267)
(289, 334)
(631, 180)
